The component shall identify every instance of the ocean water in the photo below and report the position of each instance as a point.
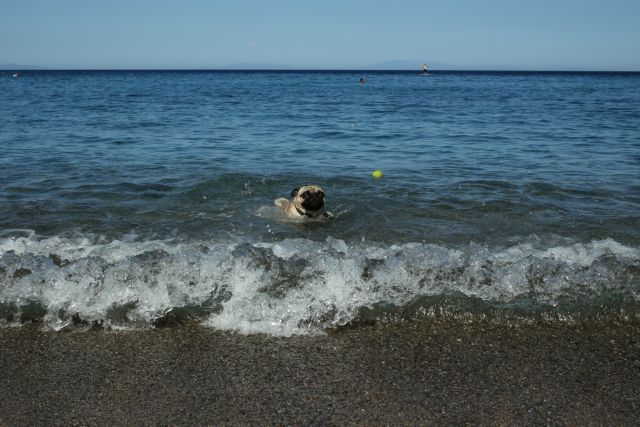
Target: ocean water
(132, 199)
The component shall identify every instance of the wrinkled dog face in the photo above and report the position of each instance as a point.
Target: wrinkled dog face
(307, 201)
(308, 198)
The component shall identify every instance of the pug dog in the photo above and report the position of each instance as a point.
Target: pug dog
(307, 201)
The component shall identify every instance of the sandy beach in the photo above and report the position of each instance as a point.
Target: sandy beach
(403, 374)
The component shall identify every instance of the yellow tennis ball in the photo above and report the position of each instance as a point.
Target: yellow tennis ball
(376, 173)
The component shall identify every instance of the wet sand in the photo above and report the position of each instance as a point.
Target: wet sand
(403, 374)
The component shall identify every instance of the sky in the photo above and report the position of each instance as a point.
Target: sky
(326, 34)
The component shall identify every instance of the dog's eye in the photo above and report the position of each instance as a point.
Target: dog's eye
(305, 194)
(320, 193)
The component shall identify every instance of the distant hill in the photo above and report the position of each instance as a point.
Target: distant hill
(12, 66)
(401, 64)
(257, 66)
(411, 64)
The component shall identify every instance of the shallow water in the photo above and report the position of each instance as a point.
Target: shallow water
(128, 197)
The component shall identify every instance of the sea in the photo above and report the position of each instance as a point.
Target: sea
(143, 199)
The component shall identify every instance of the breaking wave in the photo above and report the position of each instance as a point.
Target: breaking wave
(298, 286)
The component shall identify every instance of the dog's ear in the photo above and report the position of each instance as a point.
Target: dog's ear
(294, 192)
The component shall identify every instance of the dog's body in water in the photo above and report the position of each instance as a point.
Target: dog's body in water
(307, 201)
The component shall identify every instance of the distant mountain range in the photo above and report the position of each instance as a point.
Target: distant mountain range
(391, 65)
(12, 66)
(402, 64)
(412, 64)
(256, 66)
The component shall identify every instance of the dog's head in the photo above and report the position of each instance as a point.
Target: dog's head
(308, 199)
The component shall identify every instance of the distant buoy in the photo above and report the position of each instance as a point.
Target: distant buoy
(377, 173)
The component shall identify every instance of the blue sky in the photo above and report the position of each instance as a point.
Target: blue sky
(496, 34)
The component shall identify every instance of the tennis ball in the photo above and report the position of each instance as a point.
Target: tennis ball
(376, 173)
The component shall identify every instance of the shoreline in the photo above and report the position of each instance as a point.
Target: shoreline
(421, 372)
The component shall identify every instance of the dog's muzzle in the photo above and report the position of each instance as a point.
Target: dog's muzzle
(313, 202)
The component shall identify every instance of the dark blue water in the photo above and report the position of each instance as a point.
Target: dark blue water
(506, 188)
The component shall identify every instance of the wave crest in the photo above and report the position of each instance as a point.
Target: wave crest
(298, 286)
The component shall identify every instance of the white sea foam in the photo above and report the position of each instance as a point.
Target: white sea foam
(294, 286)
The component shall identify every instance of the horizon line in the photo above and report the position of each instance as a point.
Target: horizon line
(286, 69)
